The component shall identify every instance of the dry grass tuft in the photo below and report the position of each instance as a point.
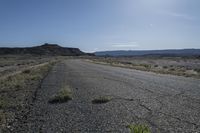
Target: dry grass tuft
(63, 95)
(101, 99)
(139, 128)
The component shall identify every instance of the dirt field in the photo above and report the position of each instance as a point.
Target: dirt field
(182, 66)
(20, 77)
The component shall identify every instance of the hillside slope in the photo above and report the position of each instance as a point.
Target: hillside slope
(46, 49)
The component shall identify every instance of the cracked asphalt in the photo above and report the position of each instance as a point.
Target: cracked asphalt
(166, 103)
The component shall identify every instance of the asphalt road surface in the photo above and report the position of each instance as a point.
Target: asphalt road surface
(165, 103)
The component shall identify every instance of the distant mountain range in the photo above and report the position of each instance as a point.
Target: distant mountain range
(172, 52)
(46, 49)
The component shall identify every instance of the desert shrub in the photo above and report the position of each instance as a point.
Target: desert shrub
(63, 95)
(15, 81)
(101, 99)
(138, 128)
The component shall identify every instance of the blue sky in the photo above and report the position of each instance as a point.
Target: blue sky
(96, 25)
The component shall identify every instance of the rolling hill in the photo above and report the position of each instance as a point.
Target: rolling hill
(46, 49)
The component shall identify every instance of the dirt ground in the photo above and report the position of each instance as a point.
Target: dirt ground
(20, 77)
(183, 66)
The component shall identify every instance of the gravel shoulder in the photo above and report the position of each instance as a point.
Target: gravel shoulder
(165, 103)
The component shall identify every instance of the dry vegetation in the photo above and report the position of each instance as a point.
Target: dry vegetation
(139, 128)
(182, 66)
(101, 99)
(63, 95)
(19, 84)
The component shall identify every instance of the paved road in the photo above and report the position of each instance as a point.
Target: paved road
(165, 103)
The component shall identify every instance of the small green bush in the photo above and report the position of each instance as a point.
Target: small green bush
(101, 99)
(138, 128)
(63, 96)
